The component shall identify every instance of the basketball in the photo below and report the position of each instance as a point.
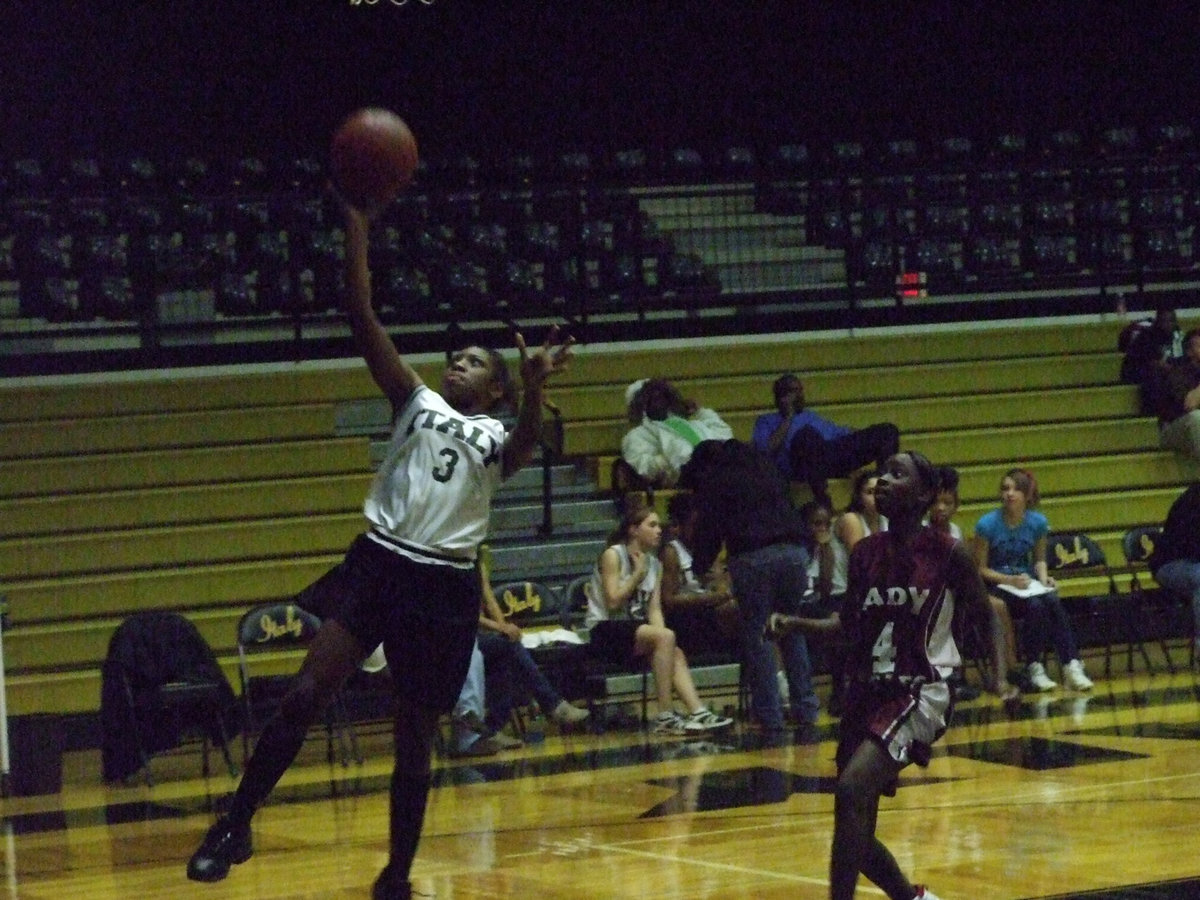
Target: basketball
(372, 157)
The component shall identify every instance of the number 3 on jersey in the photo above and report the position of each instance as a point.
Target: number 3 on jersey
(442, 474)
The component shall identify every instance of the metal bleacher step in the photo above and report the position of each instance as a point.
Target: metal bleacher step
(566, 480)
(551, 560)
(568, 518)
(526, 543)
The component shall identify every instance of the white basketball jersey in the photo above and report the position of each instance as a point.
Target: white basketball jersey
(636, 607)
(433, 492)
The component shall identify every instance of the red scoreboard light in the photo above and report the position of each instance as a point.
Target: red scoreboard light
(911, 286)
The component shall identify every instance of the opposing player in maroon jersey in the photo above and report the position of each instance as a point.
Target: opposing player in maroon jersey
(906, 587)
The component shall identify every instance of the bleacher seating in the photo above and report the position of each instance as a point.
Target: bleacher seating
(207, 492)
(246, 248)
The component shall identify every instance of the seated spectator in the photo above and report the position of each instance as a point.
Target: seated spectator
(1179, 416)
(941, 518)
(827, 565)
(700, 609)
(666, 429)
(625, 620)
(1010, 549)
(941, 514)
(809, 448)
(1150, 346)
(1175, 561)
(826, 589)
(503, 676)
(862, 516)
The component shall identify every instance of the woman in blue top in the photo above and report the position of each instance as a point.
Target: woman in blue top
(1010, 548)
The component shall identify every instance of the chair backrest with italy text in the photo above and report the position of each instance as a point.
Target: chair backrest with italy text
(529, 603)
(272, 632)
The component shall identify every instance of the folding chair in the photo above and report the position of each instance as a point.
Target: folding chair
(1076, 554)
(574, 602)
(1137, 545)
(160, 681)
(267, 636)
(529, 604)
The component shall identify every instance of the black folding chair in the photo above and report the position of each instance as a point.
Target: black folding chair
(1154, 607)
(268, 636)
(1075, 554)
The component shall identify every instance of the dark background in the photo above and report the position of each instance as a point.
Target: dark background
(173, 76)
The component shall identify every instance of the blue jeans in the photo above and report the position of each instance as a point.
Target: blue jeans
(470, 700)
(503, 675)
(1044, 624)
(773, 579)
(512, 677)
(1182, 578)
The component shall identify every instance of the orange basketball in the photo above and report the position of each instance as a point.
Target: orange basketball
(372, 156)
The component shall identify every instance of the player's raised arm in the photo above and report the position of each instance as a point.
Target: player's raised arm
(395, 377)
(536, 367)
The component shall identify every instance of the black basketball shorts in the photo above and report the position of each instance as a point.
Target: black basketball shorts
(424, 614)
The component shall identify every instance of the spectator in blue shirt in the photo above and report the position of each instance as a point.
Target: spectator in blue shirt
(1010, 549)
(810, 448)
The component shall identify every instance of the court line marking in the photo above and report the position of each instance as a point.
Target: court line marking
(693, 862)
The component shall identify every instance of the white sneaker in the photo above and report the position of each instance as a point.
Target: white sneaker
(1075, 678)
(785, 693)
(705, 719)
(669, 722)
(1039, 679)
(924, 893)
(567, 714)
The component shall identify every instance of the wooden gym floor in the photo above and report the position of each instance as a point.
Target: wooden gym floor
(1061, 796)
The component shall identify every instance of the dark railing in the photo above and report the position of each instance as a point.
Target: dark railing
(141, 270)
(551, 443)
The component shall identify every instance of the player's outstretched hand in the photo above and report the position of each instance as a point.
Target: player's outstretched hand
(550, 358)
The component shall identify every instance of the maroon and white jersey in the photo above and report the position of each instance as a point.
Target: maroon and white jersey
(898, 610)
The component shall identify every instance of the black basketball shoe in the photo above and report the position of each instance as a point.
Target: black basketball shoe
(225, 844)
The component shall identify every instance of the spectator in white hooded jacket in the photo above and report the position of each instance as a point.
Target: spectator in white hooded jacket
(666, 430)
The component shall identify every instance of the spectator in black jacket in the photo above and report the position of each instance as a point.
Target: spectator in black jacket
(1175, 561)
(1150, 346)
(743, 505)
(1179, 416)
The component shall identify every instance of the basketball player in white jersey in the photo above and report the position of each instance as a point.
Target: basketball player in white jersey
(410, 580)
